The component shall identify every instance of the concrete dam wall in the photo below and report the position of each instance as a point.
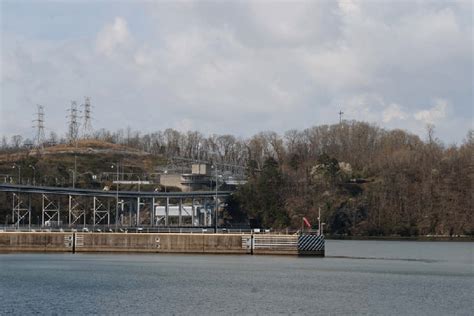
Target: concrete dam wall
(158, 243)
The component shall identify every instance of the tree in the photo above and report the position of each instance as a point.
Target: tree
(263, 196)
(16, 141)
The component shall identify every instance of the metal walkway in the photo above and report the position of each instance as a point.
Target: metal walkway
(101, 193)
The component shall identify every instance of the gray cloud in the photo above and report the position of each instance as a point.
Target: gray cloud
(242, 67)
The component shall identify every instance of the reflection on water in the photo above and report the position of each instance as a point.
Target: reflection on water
(356, 277)
(380, 258)
(417, 250)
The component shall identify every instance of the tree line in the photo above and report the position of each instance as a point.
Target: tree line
(364, 179)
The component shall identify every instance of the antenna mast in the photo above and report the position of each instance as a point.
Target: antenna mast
(340, 116)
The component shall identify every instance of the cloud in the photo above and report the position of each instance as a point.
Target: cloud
(113, 36)
(434, 114)
(243, 67)
(393, 112)
(348, 7)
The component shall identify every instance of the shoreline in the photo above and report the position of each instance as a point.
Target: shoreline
(400, 238)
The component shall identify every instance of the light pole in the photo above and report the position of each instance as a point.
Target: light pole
(75, 170)
(19, 172)
(217, 205)
(217, 202)
(116, 165)
(121, 212)
(73, 178)
(165, 172)
(199, 151)
(34, 174)
(319, 221)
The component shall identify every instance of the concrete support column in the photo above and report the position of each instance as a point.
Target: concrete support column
(138, 211)
(193, 211)
(180, 214)
(209, 216)
(167, 207)
(59, 212)
(94, 207)
(108, 209)
(42, 210)
(70, 211)
(152, 215)
(207, 220)
(29, 211)
(130, 213)
(13, 207)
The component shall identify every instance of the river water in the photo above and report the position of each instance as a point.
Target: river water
(356, 277)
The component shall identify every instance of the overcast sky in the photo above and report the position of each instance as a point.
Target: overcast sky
(239, 67)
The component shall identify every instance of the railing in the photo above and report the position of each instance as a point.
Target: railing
(121, 229)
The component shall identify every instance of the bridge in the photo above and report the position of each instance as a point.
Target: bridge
(90, 207)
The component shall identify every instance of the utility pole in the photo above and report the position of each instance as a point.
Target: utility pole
(15, 166)
(116, 195)
(34, 174)
(217, 204)
(319, 221)
(340, 116)
(75, 171)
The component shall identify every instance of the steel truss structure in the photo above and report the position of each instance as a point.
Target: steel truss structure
(50, 211)
(82, 207)
(77, 211)
(101, 212)
(20, 211)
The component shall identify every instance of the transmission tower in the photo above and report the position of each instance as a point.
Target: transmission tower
(340, 116)
(39, 126)
(73, 129)
(87, 123)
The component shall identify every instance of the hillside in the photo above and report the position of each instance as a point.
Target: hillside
(363, 179)
(93, 159)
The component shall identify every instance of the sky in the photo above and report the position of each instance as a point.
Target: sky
(238, 67)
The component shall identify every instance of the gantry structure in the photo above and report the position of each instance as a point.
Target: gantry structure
(76, 207)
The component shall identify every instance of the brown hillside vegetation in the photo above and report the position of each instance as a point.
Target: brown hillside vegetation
(366, 180)
(84, 147)
(53, 165)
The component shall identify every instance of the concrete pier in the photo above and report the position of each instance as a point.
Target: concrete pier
(35, 242)
(151, 243)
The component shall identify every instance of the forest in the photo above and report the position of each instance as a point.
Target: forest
(365, 180)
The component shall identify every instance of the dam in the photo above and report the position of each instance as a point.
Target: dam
(85, 220)
(191, 243)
